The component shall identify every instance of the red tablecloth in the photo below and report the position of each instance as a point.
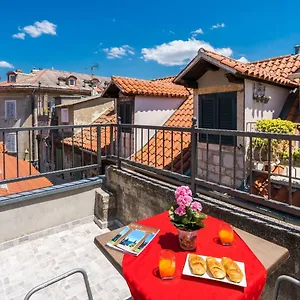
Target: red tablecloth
(141, 273)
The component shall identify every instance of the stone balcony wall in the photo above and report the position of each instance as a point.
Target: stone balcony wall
(227, 164)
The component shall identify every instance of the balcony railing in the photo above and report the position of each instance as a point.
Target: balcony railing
(250, 169)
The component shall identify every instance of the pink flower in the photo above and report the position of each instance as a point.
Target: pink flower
(196, 206)
(184, 200)
(180, 211)
(183, 191)
(187, 200)
(180, 200)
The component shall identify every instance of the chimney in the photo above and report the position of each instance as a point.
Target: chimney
(297, 49)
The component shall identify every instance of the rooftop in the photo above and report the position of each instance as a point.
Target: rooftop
(275, 70)
(14, 168)
(55, 79)
(163, 87)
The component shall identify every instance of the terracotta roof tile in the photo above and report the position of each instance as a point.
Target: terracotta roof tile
(275, 69)
(11, 172)
(173, 159)
(158, 87)
(88, 136)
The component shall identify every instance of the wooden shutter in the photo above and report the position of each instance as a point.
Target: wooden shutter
(227, 116)
(207, 115)
(10, 109)
(10, 142)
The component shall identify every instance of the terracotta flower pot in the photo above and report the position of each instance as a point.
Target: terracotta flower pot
(187, 239)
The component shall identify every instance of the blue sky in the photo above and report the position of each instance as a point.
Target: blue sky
(140, 39)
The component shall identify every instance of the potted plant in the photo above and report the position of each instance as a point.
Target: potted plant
(187, 217)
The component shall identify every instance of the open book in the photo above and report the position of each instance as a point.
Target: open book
(133, 238)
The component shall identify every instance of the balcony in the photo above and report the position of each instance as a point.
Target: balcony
(100, 175)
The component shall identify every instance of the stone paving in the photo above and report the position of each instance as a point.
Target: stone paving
(24, 266)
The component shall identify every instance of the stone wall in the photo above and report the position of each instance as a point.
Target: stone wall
(138, 197)
(227, 164)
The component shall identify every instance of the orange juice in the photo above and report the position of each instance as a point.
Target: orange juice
(226, 234)
(167, 268)
(167, 264)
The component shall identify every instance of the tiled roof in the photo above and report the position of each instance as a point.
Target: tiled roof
(88, 136)
(172, 159)
(11, 172)
(49, 80)
(275, 70)
(159, 87)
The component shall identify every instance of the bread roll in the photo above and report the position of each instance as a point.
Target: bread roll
(232, 269)
(216, 269)
(197, 264)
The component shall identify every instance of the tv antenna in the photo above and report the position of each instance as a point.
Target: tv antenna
(95, 66)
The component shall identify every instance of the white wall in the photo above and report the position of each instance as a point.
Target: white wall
(255, 111)
(153, 111)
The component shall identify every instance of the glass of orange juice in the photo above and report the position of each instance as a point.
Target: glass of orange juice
(167, 264)
(226, 234)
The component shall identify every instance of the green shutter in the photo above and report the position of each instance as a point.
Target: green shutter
(227, 115)
(208, 115)
(218, 111)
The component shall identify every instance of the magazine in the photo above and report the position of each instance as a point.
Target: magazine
(133, 238)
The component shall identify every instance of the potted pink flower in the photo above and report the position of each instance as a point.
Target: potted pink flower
(187, 217)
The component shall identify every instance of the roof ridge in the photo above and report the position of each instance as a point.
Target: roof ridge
(271, 58)
(133, 78)
(165, 77)
(146, 80)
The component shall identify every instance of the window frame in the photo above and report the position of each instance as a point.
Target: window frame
(9, 150)
(72, 79)
(126, 104)
(6, 111)
(214, 139)
(14, 76)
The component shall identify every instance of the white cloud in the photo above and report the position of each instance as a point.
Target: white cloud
(5, 64)
(222, 25)
(39, 28)
(118, 52)
(179, 52)
(20, 35)
(171, 32)
(196, 32)
(243, 59)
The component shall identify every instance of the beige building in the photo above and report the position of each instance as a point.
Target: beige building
(28, 100)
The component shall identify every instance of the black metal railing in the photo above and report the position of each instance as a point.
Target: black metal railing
(236, 166)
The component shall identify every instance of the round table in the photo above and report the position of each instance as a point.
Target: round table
(142, 276)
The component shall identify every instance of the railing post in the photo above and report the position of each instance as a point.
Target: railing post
(99, 159)
(119, 131)
(111, 139)
(194, 155)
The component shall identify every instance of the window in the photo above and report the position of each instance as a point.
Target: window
(218, 111)
(72, 82)
(64, 115)
(10, 142)
(10, 109)
(126, 113)
(12, 78)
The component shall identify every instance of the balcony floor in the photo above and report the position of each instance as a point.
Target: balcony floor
(24, 266)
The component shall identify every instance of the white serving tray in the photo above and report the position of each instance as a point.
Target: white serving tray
(207, 275)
